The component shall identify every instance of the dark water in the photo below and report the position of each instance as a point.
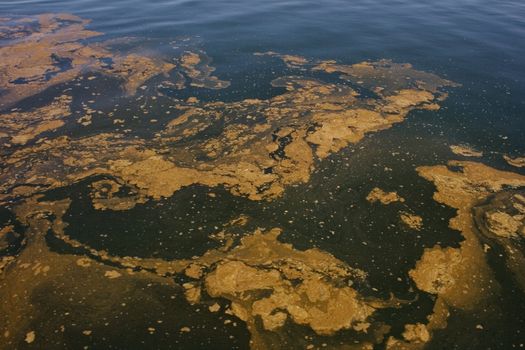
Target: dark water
(476, 43)
(479, 44)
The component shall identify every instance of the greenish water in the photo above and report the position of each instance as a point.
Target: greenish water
(475, 43)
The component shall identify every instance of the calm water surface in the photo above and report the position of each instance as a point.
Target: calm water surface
(476, 43)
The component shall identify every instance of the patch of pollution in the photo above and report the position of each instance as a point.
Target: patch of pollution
(247, 288)
(378, 194)
(517, 162)
(33, 57)
(465, 150)
(501, 221)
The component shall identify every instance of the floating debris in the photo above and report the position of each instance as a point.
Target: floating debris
(378, 194)
(413, 221)
(465, 150)
(22, 127)
(518, 162)
(112, 274)
(30, 337)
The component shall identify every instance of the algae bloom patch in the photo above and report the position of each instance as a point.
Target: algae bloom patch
(99, 132)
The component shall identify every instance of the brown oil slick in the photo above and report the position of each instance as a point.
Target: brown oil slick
(378, 195)
(412, 220)
(260, 276)
(517, 162)
(258, 160)
(501, 222)
(21, 127)
(59, 55)
(463, 189)
(36, 268)
(196, 65)
(258, 149)
(291, 61)
(465, 150)
(460, 277)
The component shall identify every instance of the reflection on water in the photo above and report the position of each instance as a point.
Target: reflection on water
(262, 176)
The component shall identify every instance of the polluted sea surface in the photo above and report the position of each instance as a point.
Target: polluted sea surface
(262, 175)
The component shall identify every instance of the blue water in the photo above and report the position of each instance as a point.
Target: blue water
(479, 44)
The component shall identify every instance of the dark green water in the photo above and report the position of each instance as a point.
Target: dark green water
(478, 44)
